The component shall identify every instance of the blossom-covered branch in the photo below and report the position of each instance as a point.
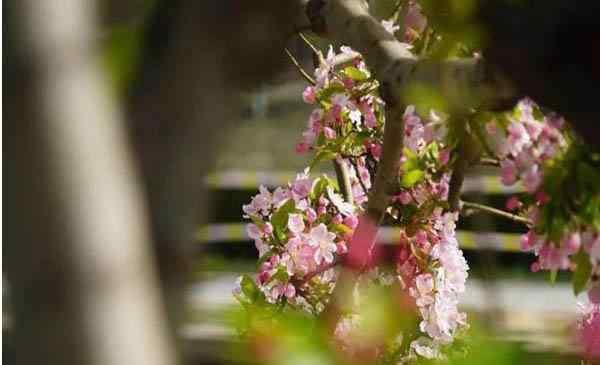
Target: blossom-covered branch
(463, 83)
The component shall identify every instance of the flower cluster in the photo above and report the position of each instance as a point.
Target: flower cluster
(300, 231)
(562, 201)
(525, 145)
(588, 328)
(537, 151)
(348, 116)
(433, 268)
(348, 125)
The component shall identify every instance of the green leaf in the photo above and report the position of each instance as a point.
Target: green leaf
(249, 288)
(333, 88)
(553, 276)
(582, 272)
(340, 228)
(266, 256)
(410, 178)
(319, 188)
(256, 220)
(355, 73)
(281, 275)
(322, 155)
(280, 217)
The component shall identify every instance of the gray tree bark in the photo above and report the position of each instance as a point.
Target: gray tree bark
(83, 285)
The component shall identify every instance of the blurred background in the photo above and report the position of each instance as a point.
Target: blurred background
(135, 130)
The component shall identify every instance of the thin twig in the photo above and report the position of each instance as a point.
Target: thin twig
(300, 69)
(309, 43)
(487, 161)
(498, 212)
(343, 179)
(362, 184)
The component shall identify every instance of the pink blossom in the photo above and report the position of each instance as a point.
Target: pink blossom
(444, 156)
(552, 258)
(532, 178)
(301, 187)
(322, 210)
(513, 203)
(414, 21)
(424, 283)
(517, 137)
(302, 147)
(280, 196)
(311, 215)
(351, 221)
(253, 231)
(268, 229)
(290, 291)
(329, 133)
(572, 243)
(588, 330)
(375, 150)
(594, 294)
(342, 248)
(367, 110)
(337, 219)
(529, 241)
(534, 129)
(309, 95)
(295, 223)
(542, 197)
(405, 197)
(508, 171)
(322, 240)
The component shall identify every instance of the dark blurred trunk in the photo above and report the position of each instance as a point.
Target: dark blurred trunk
(82, 284)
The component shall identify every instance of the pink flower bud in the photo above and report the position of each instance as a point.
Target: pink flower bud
(535, 267)
(264, 276)
(573, 243)
(542, 197)
(322, 210)
(329, 133)
(351, 221)
(302, 147)
(290, 291)
(337, 219)
(375, 149)
(348, 82)
(421, 237)
(513, 203)
(528, 241)
(323, 201)
(509, 172)
(309, 95)
(311, 215)
(268, 228)
(342, 248)
(444, 156)
(405, 197)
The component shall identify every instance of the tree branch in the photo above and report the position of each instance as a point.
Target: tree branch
(497, 212)
(487, 161)
(360, 181)
(463, 83)
(343, 179)
(299, 68)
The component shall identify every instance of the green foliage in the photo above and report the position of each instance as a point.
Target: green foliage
(280, 218)
(582, 272)
(355, 74)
